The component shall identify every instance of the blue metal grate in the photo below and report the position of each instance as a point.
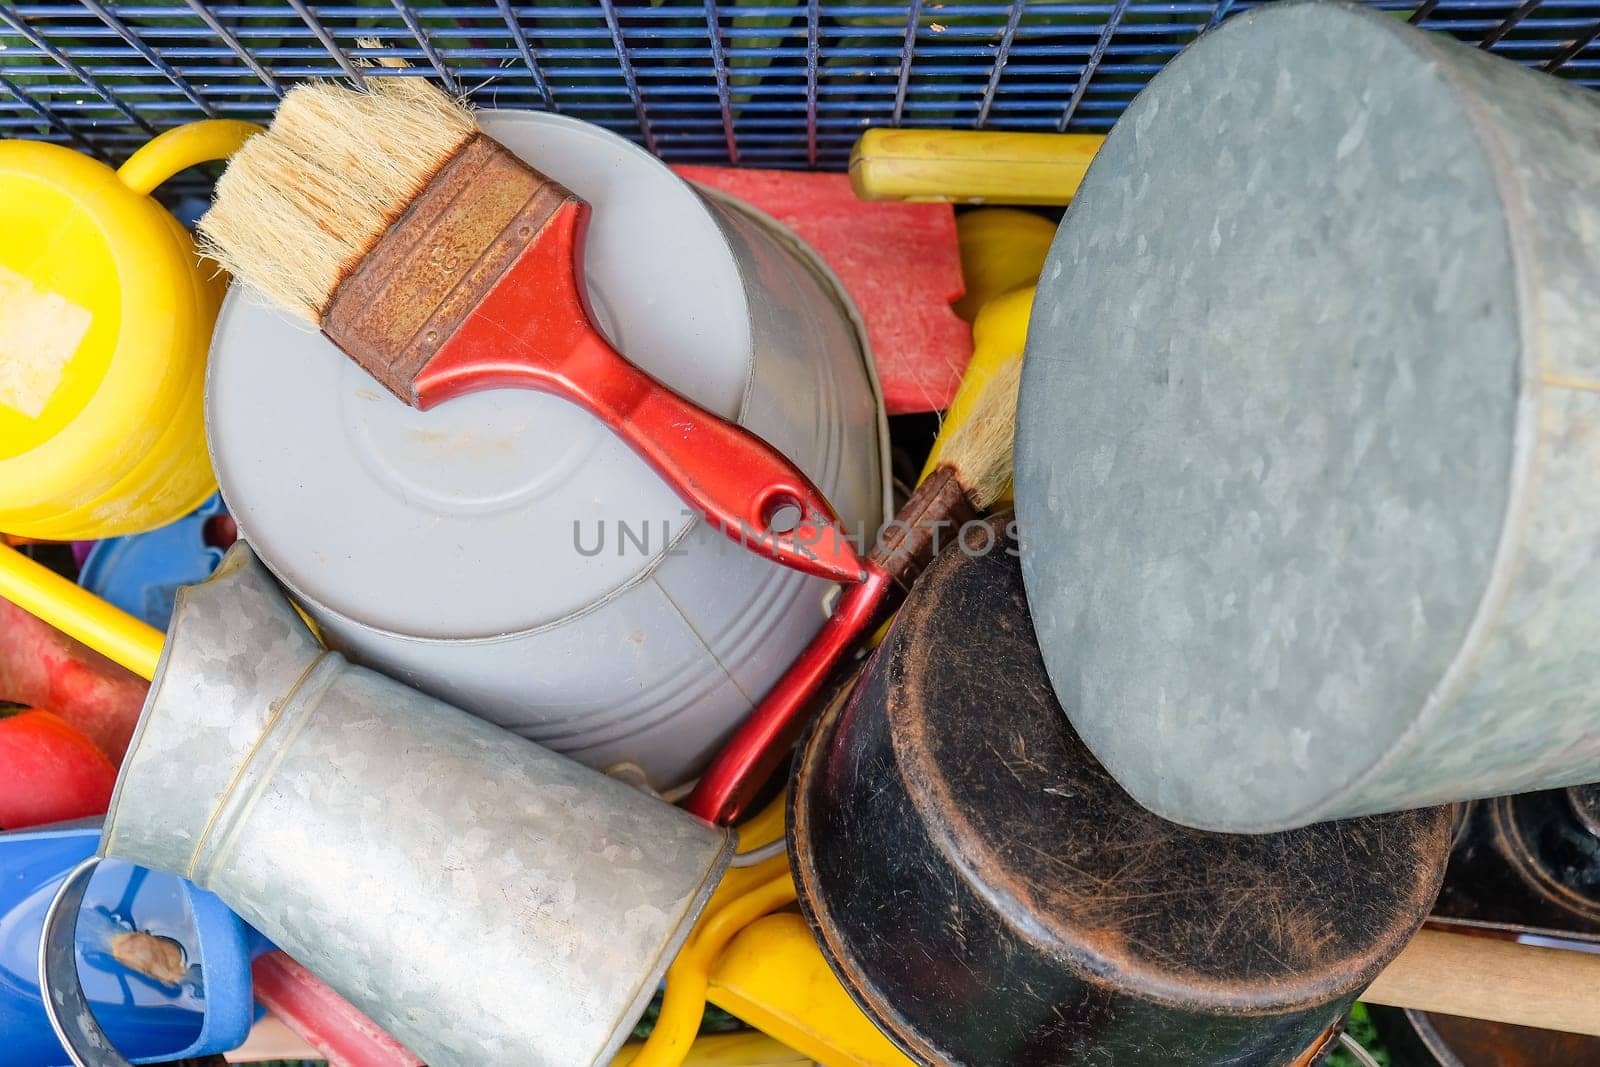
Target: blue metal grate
(786, 84)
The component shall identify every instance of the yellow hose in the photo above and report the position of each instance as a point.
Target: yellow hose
(78, 613)
(684, 1004)
(184, 147)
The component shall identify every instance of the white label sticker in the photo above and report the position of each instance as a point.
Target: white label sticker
(39, 332)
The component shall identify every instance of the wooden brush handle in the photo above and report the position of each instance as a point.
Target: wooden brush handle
(530, 330)
(933, 516)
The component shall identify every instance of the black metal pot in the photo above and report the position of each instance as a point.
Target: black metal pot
(990, 896)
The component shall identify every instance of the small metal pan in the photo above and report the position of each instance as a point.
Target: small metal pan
(990, 896)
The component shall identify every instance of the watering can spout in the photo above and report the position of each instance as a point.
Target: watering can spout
(233, 639)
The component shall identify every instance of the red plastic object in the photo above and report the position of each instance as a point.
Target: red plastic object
(762, 742)
(44, 668)
(899, 263)
(325, 1020)
(49, 772)
(531, 330)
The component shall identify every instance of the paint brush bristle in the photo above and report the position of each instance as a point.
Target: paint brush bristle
(980, 449)
(300, 205)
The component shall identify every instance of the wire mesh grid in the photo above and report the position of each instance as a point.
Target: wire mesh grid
(785, 84)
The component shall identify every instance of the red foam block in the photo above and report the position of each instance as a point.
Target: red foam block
(899, 263)
(49, 772)
(44, 668)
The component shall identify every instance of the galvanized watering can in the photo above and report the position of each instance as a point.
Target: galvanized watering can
(484, 900)
(1308, 445)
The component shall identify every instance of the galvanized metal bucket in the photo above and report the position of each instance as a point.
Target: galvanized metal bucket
(505, 552)
(484, 900)
(1308, 446)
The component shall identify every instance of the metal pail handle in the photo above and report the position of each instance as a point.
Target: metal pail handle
(60, 985)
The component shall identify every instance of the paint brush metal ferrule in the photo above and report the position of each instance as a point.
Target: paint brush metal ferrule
(425, 275)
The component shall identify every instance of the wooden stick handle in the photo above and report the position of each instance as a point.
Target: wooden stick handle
(971, 166)
(1494, 979)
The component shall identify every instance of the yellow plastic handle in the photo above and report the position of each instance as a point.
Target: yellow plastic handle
(78, 613)
(747, 1049)
(998, 337)
(1002, 248)
(182, 148)
(684, 1002)
(971, 166)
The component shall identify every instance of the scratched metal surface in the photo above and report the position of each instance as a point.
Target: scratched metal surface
(989, 894)
(481, 898)
(1306, 464)
(780, 83)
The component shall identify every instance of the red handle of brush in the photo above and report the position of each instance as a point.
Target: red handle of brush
(750, 757)
(532, 330)
(739, 482)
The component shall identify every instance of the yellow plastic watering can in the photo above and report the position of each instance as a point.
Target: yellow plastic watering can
(105, 317)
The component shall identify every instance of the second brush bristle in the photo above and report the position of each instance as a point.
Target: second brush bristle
(980, 449)
(300, 205)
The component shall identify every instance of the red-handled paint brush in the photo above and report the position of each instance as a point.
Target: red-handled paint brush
(974, 470)
(444, 265)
